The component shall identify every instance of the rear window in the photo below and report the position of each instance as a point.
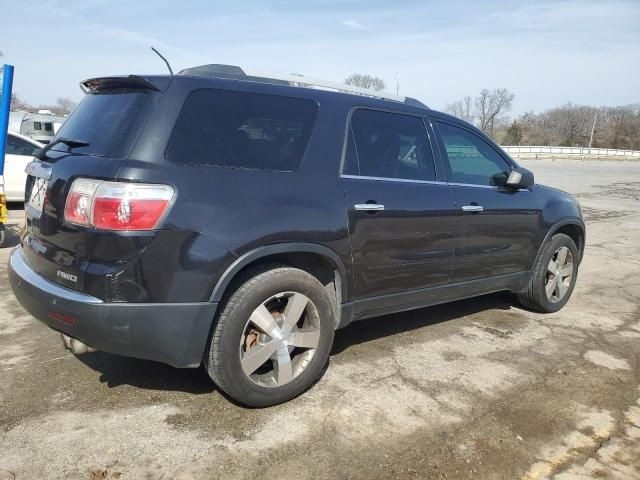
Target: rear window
(242, 130)
(102, 119)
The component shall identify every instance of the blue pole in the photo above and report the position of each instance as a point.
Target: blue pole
(7, 83)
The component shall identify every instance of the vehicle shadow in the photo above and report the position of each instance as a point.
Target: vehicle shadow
(374, 328)
(116, 370)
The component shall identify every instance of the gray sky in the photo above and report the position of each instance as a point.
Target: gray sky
(547, 53)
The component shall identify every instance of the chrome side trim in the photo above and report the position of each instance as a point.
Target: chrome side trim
(20, 266)
(387, 179)
(455, 184)
(39, 170)
(493, 187)
(427, 182)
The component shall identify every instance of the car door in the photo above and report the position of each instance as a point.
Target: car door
(18, 155)
(496, 225)
(401, 218)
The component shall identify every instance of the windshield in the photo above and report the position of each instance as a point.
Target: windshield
(101, 119)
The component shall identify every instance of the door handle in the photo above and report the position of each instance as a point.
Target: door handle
(472, 208)
(369, 207)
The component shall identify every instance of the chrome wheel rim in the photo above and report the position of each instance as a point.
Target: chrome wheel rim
(280, 339)
(559, 274)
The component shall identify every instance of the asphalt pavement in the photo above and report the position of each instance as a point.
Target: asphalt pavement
(480, 388)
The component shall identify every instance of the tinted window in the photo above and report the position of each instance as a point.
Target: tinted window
(242, 130)
(17, 146)
(388, 145)
(101, 119)
(472, 160)
(37, 126)
(48, 127)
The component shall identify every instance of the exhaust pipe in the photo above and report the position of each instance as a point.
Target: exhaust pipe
(75, 345)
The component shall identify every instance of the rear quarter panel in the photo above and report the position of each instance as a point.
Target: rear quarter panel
(221, 213)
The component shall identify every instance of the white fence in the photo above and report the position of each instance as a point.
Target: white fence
(543, 151)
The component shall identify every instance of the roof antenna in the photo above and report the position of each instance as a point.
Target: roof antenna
(164, 59)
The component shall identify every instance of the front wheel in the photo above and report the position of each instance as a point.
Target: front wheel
(554, 276)
(272, 338)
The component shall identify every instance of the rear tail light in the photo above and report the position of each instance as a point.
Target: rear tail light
(117, 205)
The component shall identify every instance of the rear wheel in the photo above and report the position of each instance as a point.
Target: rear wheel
(554, 276)
(272, 338)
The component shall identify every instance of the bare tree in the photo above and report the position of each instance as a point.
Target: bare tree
(467, 109)
(18, 104)
(454, 109)
(491, 106)
(365, 81)
(570, 126)
(461, 109)
(65, 105)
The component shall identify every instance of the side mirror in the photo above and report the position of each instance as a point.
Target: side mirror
(519, 178)
(38, 153)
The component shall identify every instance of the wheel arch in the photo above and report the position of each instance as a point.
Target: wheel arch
(573, 227)
(310, 257)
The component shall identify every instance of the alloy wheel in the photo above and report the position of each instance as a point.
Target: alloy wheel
(559, 274)
(280, 339)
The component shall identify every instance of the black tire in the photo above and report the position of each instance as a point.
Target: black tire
(223, 359)
(535, 296)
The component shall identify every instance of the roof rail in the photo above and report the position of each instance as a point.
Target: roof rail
(302, 81)
(213, 70)
(414, 102)
(232, 71)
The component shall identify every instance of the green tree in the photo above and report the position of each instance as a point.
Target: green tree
(514, 134)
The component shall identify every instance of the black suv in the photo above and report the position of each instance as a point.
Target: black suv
(236, 221)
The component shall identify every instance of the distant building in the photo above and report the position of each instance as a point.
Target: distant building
(41, 126)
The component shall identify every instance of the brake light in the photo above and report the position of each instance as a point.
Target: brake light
(117, 205)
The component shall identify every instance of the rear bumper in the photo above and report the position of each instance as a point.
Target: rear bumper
(171, 333)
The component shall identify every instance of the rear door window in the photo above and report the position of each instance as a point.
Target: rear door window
(242, 130)
(102, 119)
(388, 145)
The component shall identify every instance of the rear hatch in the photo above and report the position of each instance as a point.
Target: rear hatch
(99, 136)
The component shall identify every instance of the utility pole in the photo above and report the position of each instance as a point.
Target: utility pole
(397, 83)
(593, 128)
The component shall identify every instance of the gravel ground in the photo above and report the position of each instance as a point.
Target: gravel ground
(475, 389)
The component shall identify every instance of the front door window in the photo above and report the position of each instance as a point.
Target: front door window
(471, 159)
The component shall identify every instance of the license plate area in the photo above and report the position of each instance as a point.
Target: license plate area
(39, 180)
(36, 199)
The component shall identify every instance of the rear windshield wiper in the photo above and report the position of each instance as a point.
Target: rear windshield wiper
(40, 153)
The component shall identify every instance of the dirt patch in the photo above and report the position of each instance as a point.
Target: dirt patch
(598, 215)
